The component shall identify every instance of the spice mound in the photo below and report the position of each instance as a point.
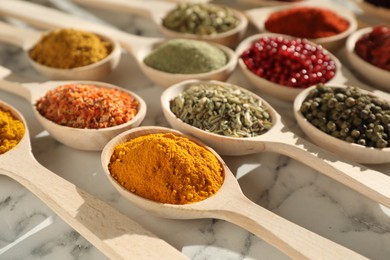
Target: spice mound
(201, 19)
(87, 106)
(69, 48)
(374, 47)
(186, 57)
(166, 168)
(223, 110)
(306, 22)
(349, 114)
(293, 63)
(11, 131)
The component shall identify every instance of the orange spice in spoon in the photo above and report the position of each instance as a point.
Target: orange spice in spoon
(11, 131)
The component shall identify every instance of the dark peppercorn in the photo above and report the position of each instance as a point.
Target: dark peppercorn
(349, 114)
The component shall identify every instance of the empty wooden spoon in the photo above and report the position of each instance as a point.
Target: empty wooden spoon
(26, 39)
(160, 10)
(78, 138)
(117, 236)
(137, 46)
(279, 139)
(231, 205)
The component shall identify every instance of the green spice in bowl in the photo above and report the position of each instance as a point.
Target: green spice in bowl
(182, 56)
(221, 109)
(200, 19)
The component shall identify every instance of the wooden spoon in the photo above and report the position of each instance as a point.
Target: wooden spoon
(231, 205)
(138, 46)
(26, 39)
(160, 10)
(279, 139)
(274, 89)
(78, 138)
(259, 16)
(117, 236)
(267, 3)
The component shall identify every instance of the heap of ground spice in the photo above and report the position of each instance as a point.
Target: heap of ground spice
(166, 168)
(69, 48)
(87, 106)
(11, 131)
(306, 22)
(184, 56)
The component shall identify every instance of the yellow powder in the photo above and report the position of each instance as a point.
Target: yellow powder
(166, 168)
(11, 131)
(69, 48)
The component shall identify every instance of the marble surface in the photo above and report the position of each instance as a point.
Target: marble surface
(30, 230)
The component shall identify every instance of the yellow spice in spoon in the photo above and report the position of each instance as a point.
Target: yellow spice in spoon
(70, 48)
(11, 131)
(166, 168)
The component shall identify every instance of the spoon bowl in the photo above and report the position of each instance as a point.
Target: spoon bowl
(333, 43)
(269, 3)
(350, 151)
(274, 89)
(27, 39)
(279, 139)
(377, 76)
(161, 8)
(230, 204)
(113, 233)
(78, 138)
(137, 46)
(166, 79)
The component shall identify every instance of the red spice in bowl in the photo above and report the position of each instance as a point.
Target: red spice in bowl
(87, 106)
(306, 22)
(294, 63)
(374, 47)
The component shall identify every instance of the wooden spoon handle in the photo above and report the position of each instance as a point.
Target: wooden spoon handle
(48, 18)
(16, 88)
(113, 233)
(372, 184)
(138, 7)
(21, 37)
(293, 240)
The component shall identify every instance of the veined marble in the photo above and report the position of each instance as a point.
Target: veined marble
(30, 230)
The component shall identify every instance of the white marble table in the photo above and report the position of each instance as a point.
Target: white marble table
(30, 230)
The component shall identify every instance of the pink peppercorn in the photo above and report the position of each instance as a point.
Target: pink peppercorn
(294, 63)
(87, 106)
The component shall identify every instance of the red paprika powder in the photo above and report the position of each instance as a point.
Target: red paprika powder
(306, 22)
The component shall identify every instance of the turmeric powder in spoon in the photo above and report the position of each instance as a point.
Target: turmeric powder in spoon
(166, 168)
(11, 131)
(70, 48)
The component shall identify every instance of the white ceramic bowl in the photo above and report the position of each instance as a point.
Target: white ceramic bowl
(333, 43)
(375, 75)
(273, 89)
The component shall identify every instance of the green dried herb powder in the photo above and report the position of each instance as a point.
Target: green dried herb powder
(201, 19)
(224, 110)
(186, 57)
